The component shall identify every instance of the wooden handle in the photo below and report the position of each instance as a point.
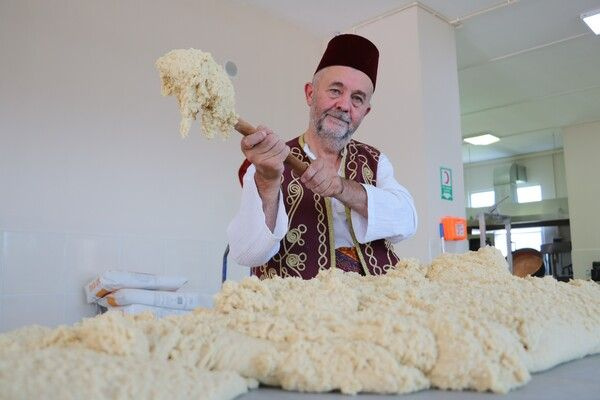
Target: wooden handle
(246, 129)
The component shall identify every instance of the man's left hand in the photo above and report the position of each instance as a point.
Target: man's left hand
(323, 179)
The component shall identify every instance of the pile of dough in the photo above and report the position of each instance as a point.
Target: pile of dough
(200, 85)
(77, 373)
(462, 322)
(104, 358)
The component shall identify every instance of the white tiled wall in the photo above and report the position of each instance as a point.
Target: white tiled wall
(25, 309)
(42, 274)
(23, 257)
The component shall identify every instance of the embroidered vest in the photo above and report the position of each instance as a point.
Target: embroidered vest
(308, 246)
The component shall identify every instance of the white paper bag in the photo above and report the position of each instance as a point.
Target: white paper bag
(112, 280)
(158, 298)
(158, 312)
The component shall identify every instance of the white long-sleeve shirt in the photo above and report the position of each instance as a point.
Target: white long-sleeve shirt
(390, 209)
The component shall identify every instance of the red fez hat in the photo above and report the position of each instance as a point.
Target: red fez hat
(352, 51)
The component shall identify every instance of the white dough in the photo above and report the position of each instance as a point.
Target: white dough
(200, 86)
(461, 323)
(77, 373)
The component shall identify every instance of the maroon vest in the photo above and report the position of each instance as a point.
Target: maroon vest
(308, 246)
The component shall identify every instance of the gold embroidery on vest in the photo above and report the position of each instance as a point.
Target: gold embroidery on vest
(266, 272)
(291, 263)
(372, 260)
(351, 165)
(296, 262)
(361, 258)
(372, 152)
(322, 215)
(322, 232)
(368, 174)
(329, 208)
(390, 250)
(295, 192)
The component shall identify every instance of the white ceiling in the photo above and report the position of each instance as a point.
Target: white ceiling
(525, 69)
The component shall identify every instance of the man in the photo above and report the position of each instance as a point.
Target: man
(347, 208)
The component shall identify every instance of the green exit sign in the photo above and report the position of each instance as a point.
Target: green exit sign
(446, 183)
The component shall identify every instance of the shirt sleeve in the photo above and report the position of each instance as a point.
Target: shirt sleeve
(251, 242)
(390, 209)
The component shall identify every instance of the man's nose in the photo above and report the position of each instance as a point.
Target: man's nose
(343, 103)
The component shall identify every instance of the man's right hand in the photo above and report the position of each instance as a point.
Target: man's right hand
(267, 152)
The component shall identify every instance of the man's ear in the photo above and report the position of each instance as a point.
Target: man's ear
(368, 111)
(309, 91)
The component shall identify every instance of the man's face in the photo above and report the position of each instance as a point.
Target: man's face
(339, 98)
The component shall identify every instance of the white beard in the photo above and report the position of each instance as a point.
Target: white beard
(336, 132)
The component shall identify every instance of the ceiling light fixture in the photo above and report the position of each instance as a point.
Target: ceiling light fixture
(482, 140)
(592, 19)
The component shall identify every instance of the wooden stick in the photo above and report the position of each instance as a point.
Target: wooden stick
(246, 129)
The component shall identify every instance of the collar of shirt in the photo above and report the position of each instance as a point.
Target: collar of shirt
(312, 155)
(309, 153)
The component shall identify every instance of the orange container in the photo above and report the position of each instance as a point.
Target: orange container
(455, 228)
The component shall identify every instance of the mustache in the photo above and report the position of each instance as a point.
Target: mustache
(341, 115)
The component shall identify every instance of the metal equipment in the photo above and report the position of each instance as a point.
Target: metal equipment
(495, 218)
(557, 257)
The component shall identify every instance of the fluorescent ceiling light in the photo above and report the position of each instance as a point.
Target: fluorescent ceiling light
(482, 140)
(592, 19)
